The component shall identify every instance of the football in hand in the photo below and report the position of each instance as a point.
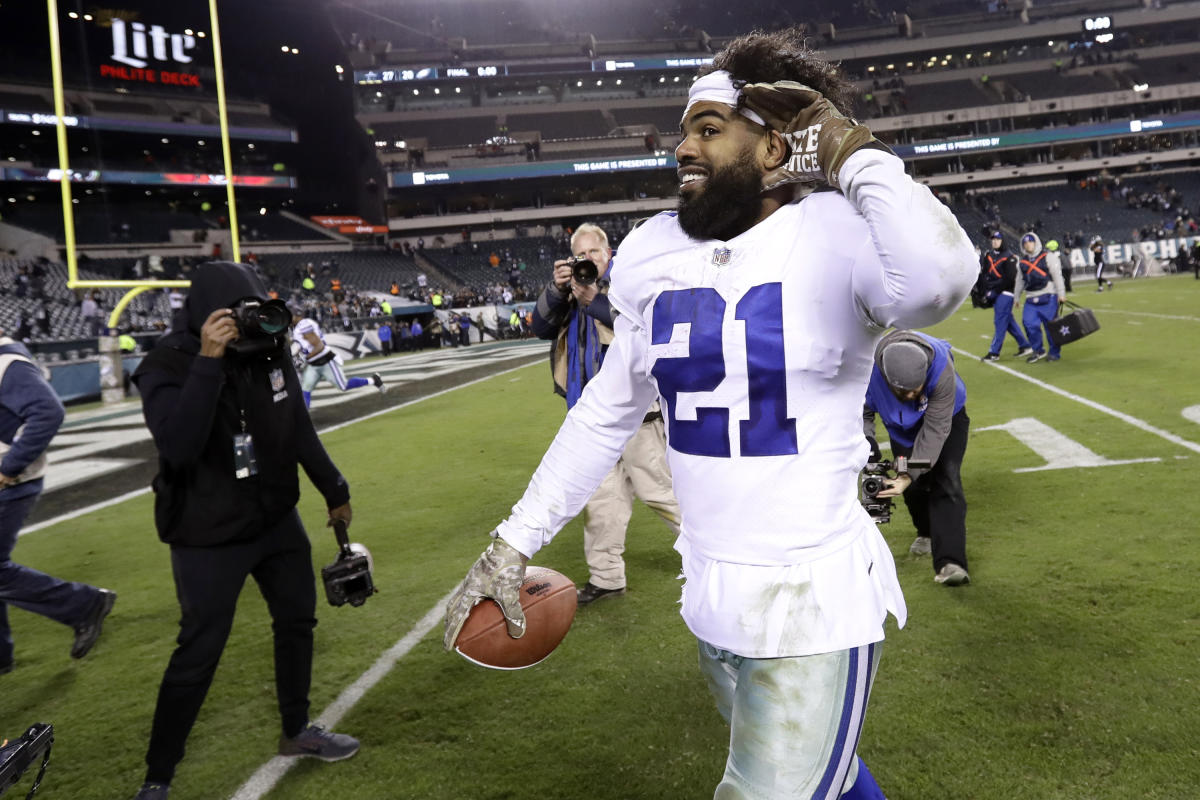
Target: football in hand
(548, 599)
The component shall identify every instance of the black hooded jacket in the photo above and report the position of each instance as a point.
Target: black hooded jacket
(194, 407)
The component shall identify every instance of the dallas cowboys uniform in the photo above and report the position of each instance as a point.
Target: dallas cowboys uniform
(326, 363)
(760, 349)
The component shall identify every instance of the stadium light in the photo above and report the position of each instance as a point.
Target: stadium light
(284, 49)
(458, 90)
(871, 68)
(416, 91)
(88, 17)
(200, 34)
(72, 15)
(1050, 43)
(200, 142)
(295, 51)
(262, 211)
(36, 133)
(437, 90)
(338, 69)
(618, 81)
(189, 31)
(662, 78)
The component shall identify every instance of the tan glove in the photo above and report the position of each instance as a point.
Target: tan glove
(819, 136)
(497, 574)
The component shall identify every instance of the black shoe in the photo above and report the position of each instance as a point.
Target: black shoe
(591, 592)
(6, 668)
(991, 357)
(152, 791)
(377, 379)
(88, 631)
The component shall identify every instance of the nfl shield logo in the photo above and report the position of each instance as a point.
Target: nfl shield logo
(277, 382)
(721, 256)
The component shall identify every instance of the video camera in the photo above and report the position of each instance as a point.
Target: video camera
(583, 270)
(19, 756)
(874, 474)
(348, 579)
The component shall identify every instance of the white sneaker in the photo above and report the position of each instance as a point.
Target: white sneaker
(921, 546)
(952, 575)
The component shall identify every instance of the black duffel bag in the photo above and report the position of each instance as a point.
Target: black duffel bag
(1074, 326)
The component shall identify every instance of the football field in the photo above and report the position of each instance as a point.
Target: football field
(1066, 670)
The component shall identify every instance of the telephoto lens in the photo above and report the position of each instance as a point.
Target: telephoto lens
(584, 271)
(256, 318)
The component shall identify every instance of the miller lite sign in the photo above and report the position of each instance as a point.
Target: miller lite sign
(149, 53)
(136, 38)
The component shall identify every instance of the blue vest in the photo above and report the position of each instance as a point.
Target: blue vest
(902, 419)
(1035, 272)
(993, 276)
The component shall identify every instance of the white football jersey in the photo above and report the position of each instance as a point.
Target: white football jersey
(760, 349)
(302, 327)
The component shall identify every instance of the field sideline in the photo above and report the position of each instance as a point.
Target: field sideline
(1066, 670)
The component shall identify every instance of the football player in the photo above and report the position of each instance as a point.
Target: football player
(752, 314)
(320, 360)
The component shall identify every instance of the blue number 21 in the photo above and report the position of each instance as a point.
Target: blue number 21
(769, 431)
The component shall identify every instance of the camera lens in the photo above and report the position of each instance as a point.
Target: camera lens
(273, 317)
(585, 272)
(872, 486)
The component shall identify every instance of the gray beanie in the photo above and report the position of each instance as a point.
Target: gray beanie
(904, 365)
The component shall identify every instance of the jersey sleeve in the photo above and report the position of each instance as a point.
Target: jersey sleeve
(588, 444)
(917, 265)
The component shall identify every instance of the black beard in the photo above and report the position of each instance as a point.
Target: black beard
(728, 204)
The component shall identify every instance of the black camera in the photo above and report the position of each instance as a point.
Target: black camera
(17, 757)
(872, 482)
(261, 325)
(583, 270)
(256, 318)
(348, 579)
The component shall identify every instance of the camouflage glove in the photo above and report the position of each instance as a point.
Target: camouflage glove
(819, 136)
(497, 574)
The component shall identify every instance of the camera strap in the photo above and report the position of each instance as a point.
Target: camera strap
(343, 538)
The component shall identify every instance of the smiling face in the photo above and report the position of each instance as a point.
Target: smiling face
(722, 159)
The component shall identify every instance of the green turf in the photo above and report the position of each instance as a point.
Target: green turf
(1065, 670)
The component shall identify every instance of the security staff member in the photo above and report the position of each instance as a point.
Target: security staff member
(230, 426)
(999, 275)
(579, 318)
(922, 401)
(30, 414)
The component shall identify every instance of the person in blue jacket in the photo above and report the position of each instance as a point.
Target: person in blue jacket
(30, 415)
(922, 402)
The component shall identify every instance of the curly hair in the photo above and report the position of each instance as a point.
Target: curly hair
(761, 57)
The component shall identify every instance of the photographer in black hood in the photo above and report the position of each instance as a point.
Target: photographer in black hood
(223, 402)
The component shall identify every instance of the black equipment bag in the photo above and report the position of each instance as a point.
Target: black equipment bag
(1074, 326)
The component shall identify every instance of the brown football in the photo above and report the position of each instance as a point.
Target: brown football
(548, 599)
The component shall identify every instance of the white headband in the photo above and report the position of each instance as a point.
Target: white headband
(717, 87)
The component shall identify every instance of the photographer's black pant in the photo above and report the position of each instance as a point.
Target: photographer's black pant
(208, 581)
(936, 501)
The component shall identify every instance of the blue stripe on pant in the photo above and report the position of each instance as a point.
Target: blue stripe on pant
(1039, 311)
(794, 723)
(1002, 318)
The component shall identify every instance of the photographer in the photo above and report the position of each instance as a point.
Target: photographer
(30, 414)
(922, 401)
(225, 408)
(573, 311)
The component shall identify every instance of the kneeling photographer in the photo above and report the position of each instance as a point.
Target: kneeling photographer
(922, 401)
(224, 405)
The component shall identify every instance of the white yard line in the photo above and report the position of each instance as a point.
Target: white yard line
(265, 777)
(1112, 412)
(1147, 314)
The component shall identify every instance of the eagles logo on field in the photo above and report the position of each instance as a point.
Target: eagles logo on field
(277, 382)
